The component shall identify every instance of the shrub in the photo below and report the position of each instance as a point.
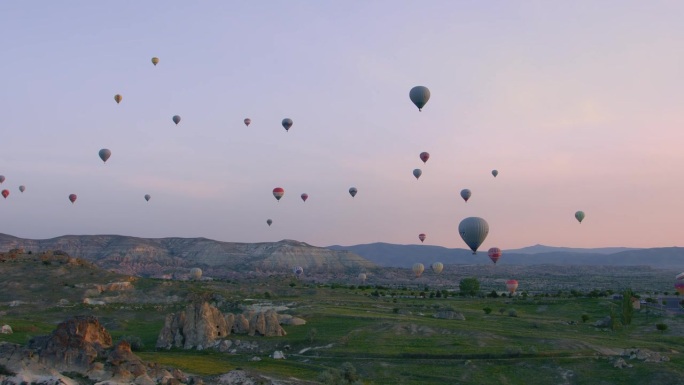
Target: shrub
(487, 310)
(512, 313)
(585, 317)
(661, 327)
(502, 310)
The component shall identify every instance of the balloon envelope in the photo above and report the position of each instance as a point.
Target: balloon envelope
(421, 237)
(298, 270)
(5, 193)
(680, 277)
(495, 173)
(418, 269)
(278, 192)
(105, 154)
(118, 98)
(362, 277)
(417, 173)
(269, 222)
(473, 230)
(147, 197)
(424, 156)
(305, 196)
(353, 191)
(176, 119)
(419, 95)
(465, 194)
(196, 273)
(679, 286)
(579, 216)
(494, 254)
(72, 198)
(22, 188)
(512, 285)
(437, 267)
(2, 178)
(287, 123)
(248, 121)
(155, 60)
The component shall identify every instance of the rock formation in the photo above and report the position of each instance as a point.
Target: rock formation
(201, 326)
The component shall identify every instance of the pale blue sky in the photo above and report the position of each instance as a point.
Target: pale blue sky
(577, 104)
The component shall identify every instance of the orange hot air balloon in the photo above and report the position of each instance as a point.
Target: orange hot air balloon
(118, 98)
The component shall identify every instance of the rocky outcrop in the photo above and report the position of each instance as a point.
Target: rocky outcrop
(201, 326)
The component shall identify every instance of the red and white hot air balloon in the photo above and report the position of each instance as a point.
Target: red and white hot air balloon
(278, 193)
(494, 254)
(512, 285)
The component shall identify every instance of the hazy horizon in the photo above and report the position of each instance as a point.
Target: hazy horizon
(577, 105)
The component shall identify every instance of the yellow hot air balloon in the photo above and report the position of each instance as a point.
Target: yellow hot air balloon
(155, 60)
(118, 98)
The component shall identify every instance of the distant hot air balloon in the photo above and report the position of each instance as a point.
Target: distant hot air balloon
(680, 277)
(512, 286)
(155, 61)
(362, 277)
(417, 173)
(278, 193)
(287, 123)
(118, 98)
(298, 270)
(679, 286)
(5, 193)
(418, 269)
(421, 237)
(465, 194)
(72, 198)
(495, 173)
(269, 222)
(353, 191)
(196, 273)
(147, 197)
(473, 230)
(305, 196)
(176, 119)
(494, 254)
(579, 216)
(2, 178)
(424, 156)
(105, 154)
(248, 121)
(22, 188)
(419, 95)
(437, 267)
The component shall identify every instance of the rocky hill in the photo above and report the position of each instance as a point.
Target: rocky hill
(167, 256)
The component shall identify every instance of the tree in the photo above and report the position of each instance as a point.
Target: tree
(585, 317)
(493, 294)
(661, 327)
(627, 308)
(469, 286)
(487, 310)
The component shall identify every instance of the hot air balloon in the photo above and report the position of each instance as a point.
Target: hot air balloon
(269, 222)
(494, 254)
(305, 196)
(473, 230)
(418, 269)
(105, 154)
(176, 119)
(278, 193)
(22, 188)
(287, 123)
(147, 197)
(680, 277)
(298, 270)
(5, 193)
(512, 286)
(353, 191)
(72, 198)
(196, 273)
(362, 277)
(679, 286)
(155, 61)
(417, 173)
(118, 98)
(248, 121)
(419, 95)
(465, 194)
(2, 178)
(579, 216)
(424, 156)
(421, 237)
(495, 173)
(437, 267)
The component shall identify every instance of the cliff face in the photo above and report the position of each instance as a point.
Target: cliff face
(156, 257)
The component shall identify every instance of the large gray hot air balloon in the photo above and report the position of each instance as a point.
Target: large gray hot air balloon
(353, 191)
(176, 119)
(105, 153)
(417, 173)
(147, 197)
(287, 123)
(419, 96)
(465, 194)
(473, 230)
(495, 173)
(269, 222)
(22, 188)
